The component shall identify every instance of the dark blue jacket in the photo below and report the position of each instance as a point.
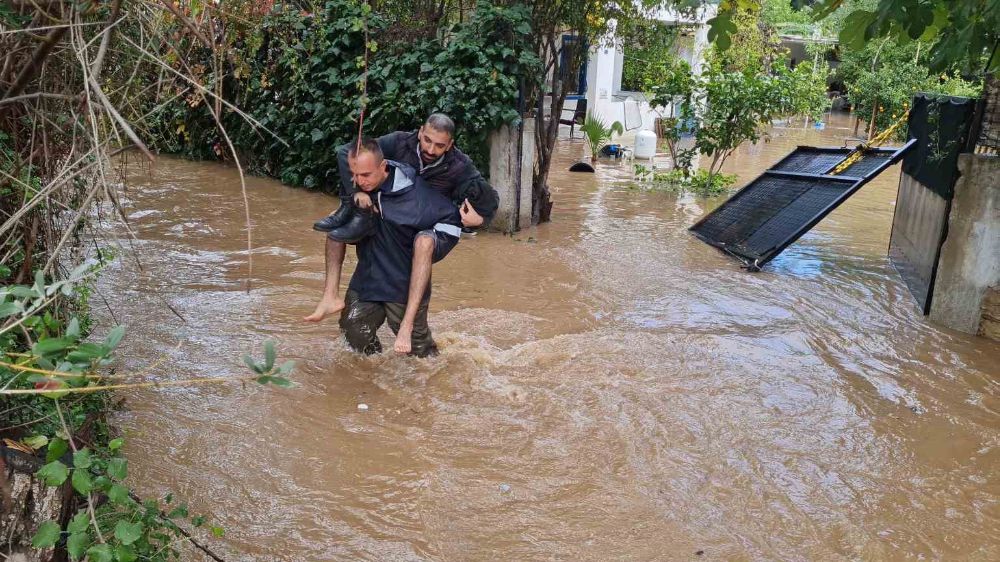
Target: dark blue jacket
(454, 175)
(385, 259)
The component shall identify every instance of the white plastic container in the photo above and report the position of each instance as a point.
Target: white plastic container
(645, 145)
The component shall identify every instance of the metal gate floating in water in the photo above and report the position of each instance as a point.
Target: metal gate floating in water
(786, 201)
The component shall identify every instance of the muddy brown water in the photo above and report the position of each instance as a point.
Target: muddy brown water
(609, 387)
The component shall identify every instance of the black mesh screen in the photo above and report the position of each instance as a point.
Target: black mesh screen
(810, 161)
(783, 203)
(768, 212)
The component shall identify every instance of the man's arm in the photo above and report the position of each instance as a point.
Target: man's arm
(390, 144)
(480, 194)
(470, 184)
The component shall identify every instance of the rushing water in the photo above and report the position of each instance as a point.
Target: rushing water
(609, 387)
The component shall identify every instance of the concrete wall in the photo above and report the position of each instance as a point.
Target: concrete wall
(510, 174)
(968, 276)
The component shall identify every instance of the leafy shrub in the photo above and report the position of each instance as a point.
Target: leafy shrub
(302, 81)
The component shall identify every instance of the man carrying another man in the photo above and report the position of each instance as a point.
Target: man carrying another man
(430, 151)
(403, 206)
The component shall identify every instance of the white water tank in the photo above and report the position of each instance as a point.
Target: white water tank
(645, 145)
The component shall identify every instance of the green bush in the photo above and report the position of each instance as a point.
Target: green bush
(302, 80)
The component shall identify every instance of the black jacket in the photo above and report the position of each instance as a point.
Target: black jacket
(455, 176)
(385, 259)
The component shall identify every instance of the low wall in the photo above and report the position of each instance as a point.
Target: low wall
(967, 286)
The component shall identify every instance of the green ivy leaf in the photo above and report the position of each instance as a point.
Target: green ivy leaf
(118, 494)
(116, 444)
(125, 553)
(77, 544)
(127, 532)
(81, 458)
(81, 481)
(53, 473)
(118, 468)
(47, 535)
(100, 553)
(79, 523)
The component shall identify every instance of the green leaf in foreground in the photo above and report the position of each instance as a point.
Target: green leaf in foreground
(57, 448)
(115, 336)
(53, 474)
(47, 535)
(81, 481)
(81, 459)
(269, 355)
(77, 544)
(79, 523)
(118, 468)
(127, 532)
(125, 553)
(100, 553)
(118, 494)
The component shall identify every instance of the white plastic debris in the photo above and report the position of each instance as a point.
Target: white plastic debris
(362, 407)
(504, 488)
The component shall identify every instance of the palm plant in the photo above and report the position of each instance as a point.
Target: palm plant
(598, 133)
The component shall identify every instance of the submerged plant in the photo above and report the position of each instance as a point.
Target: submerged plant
(598, 133)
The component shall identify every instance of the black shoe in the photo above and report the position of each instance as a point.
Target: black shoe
(360, 225)
(334, 219)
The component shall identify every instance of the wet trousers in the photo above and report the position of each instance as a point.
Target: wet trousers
(360, 320)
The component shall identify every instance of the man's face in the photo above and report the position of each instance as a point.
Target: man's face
(433, 143)
(368, 173)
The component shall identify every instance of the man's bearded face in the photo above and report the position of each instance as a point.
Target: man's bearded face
(433, 143)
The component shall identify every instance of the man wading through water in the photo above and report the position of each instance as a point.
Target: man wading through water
(431, 152)
(402, 206)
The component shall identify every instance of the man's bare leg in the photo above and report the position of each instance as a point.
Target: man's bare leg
(331, 302)
(420, 277)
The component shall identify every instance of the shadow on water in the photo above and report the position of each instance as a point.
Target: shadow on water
(609, 387)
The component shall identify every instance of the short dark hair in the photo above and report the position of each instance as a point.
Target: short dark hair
(363, 145)
(441, 122)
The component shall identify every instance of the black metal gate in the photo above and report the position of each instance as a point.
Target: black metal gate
(783, 203)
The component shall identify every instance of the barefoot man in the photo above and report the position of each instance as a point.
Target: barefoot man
(403, 212)
(432, 153)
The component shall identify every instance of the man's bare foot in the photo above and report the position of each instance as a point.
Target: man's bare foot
(403, 339)
(325, 308)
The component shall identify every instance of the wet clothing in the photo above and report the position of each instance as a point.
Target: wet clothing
(443, 243)
(407, 207)
(379, 288)
(360, 321)
(453, 174)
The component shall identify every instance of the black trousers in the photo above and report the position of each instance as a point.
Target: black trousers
(360, 320)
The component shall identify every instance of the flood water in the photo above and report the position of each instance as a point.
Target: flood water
(609, 387)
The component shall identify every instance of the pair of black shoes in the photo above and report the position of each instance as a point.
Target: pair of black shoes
(348, 224)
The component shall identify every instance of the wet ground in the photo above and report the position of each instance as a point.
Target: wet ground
(609, 387)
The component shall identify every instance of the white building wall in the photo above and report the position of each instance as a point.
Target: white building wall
(604, 74)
